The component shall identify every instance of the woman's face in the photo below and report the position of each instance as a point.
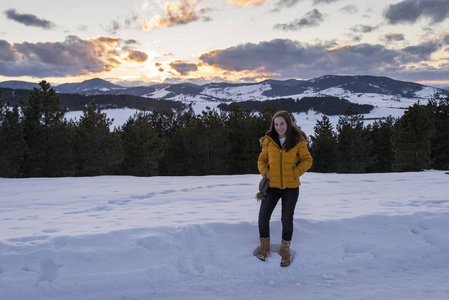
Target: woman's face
(280, 126)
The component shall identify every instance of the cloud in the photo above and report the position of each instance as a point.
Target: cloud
(446, 37)
(282, 58)
(394, 37)
(137, 56)
(117, 25)
(82, 27)
(28, 19)
(114, 27)
(287, 3)
(311, 19)
(356, 38)
(159, 67)
(271, 56)
(183, 67)
(280, 4)
(242, 3)
(72, 57)
(6, 52)
(130, 42)
(410, 11)
(361, 57)
(315, 2)
(424, 50)
(350, 9)
(131, 19)
(364, 28)
(178, 13)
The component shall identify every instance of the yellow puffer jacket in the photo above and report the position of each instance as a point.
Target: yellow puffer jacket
(285, 167)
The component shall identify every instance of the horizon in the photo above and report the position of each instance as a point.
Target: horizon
(129, 84)
(143, 42)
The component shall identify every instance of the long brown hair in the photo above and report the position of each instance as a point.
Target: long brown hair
(293, 135)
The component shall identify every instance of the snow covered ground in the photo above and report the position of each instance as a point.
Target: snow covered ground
(359, 236)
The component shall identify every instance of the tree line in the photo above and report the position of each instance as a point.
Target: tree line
(79, 102)
(328, 105)
(36, 140)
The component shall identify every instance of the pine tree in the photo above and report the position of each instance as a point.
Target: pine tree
(206, 147)
(12, 141)
(265, 116)
(381, 150)
(162, 121)
(261, 124)
(175, 162)
(243, 136)
(412, 140)
(47, 134)
(439, 109)
(353, 143)
(143, 148)
(98, 150)
(324, 147)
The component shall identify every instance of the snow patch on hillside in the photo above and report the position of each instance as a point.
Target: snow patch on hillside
(427, 92)
(239, 93)
(158, 93)
(334, 91)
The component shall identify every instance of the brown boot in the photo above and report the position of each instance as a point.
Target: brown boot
(285, 253)
(264, 248)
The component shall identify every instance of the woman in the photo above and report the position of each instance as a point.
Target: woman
(283, 159)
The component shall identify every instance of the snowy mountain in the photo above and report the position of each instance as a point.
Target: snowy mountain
(90, 87)
(15, 84)
(353, 88)
(349, 87)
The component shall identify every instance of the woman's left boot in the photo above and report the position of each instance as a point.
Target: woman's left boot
(285, 253)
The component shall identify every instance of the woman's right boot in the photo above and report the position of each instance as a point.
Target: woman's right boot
(264, 248)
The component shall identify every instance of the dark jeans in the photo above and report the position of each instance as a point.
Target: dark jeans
(289, 198)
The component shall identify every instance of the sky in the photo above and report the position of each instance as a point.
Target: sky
(139, 42)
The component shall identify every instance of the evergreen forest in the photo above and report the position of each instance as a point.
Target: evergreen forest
(36, 140)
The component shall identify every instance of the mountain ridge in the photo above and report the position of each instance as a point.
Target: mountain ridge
(351, 88)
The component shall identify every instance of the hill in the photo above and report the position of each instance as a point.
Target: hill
(327, 94)
(331, 85)
(78, 102)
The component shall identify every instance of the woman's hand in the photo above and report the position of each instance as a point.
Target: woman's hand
(266, 175)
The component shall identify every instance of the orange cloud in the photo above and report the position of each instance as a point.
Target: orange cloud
(177, 13)
(107, 40)
(137, 56)
(72, 57)
(340, 47)
(242, 3)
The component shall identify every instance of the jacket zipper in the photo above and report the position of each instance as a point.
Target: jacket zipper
(282, 181)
